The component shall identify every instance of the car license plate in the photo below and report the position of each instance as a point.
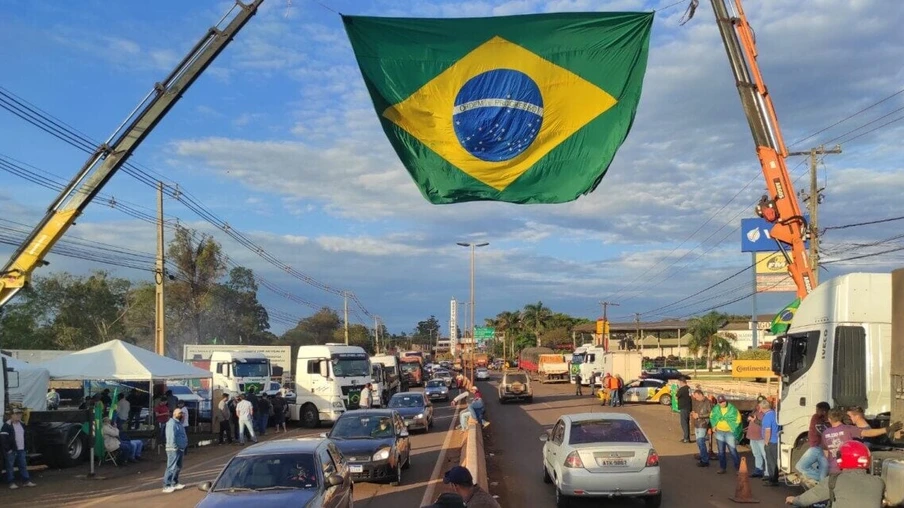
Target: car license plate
(356, 468)
(611, 462)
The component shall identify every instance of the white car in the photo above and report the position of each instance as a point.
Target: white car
(482, 373)
(600, 455)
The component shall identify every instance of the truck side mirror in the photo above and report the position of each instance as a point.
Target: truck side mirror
(324, 368)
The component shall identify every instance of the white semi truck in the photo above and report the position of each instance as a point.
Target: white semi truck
(239, 371)
(840, 349)
(328, 382)
(585, 361)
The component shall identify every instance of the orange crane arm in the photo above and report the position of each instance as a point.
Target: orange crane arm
(779, 206)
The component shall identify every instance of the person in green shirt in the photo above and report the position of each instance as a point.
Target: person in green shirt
(726, 424)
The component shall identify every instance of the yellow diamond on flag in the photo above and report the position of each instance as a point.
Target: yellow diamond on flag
(553, 104)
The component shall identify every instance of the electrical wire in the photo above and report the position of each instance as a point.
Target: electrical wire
(867, 223)
(845, 119)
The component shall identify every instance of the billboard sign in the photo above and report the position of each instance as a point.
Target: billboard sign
(752, 368)
(484, 333)
(772, 273)
(756, 237)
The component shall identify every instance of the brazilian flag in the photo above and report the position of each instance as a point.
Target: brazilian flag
(782, 321)
(522, 109)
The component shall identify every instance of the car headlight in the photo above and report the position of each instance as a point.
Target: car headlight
(420, 416)
(382, 454)
(338, 404)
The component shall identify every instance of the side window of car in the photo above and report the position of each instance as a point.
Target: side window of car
(338, 458)
(329, 467)
(399, 424)
(558, 432)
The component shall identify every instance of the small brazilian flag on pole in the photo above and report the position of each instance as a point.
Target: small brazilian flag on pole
(782, 321)
(523, 109)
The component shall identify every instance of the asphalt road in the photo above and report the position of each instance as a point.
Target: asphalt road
(514, 453)
(140, 484)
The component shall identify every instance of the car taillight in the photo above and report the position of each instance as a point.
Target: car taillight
(574, 460)
(652, 458)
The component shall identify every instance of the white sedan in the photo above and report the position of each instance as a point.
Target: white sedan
(600, 455)
(482, 373)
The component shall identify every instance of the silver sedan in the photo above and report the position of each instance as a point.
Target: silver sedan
(600, 455)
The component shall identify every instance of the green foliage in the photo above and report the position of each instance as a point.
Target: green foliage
(704, 331)
(755, 354)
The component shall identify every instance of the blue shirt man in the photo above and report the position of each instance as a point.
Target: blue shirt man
(176, 443)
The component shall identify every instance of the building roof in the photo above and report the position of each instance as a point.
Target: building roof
(630, 326)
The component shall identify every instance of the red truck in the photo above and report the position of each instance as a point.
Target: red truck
(529, 360)
(413, 369)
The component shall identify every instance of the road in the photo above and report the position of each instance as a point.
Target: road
(515, 463)
(140, 484)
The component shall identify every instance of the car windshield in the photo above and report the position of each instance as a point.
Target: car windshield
(264, 472)
(251, 369)
(436, 383)
(351, 365)
(606, 431)
(443, 373)
(406, 401)
(516, 378)
(362, 427)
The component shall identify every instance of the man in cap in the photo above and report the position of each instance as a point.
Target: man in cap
(725, 420)
(462, 483)
(12, 443)
(176, 443)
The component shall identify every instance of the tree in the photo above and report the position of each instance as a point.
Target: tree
(704, 331)
(358, 335)
(427, 331)
(536, 318)
(200, 264)
(318, 328)
(236, 316)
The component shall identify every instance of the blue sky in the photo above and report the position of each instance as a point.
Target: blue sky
(279, 139)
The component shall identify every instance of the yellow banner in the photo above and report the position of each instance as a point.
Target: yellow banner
(771, 262)
(751, 368)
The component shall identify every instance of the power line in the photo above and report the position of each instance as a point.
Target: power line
(836, 138)
(868, 223)
(845, 119)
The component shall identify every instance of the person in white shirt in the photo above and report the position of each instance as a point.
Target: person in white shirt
(245, 411)
(366, 396)
(122, 410)
(12, 443)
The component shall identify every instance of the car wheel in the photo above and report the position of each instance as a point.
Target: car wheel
(397, 479)
(310, 417)
(653, 501)
(562, 501)
(665, 400)
(546, 477)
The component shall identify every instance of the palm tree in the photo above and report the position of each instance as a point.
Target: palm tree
(536, 316)
(704, 330)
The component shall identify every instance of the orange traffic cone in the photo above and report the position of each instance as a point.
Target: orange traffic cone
(742, 491)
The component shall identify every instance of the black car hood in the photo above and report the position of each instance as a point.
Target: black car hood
(268, 499)
(354, 447)
(408, 412)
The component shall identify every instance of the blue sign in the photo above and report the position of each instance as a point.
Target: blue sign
(755, 236)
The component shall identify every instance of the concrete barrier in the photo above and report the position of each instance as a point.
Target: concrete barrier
(473, 457)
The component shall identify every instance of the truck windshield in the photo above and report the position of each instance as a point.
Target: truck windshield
(351, 365)
(410, 367)
(251, 369)
(577, 358)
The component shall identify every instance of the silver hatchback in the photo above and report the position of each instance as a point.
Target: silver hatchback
(600, 455)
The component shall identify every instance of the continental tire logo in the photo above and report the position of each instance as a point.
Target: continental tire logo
(741, 369)
(752, 368)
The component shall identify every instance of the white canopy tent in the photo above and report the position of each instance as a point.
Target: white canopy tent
(33, 380)
(118, 360)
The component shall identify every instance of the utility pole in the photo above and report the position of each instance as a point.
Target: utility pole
(473, 247)
(377, 334)
(606, 322)
(637, 325)
(345, 297)
(813, 200)
(159, 277)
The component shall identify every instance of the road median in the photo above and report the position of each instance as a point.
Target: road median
(473, 456)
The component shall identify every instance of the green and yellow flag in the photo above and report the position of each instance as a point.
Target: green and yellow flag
(523, 109)
(782, 321)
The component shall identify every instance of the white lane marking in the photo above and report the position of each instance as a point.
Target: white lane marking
(431, 484)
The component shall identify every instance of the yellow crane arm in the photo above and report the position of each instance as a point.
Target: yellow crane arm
(110, 156)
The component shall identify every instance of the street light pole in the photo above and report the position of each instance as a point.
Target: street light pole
(473, 247)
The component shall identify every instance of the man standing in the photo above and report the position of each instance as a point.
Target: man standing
(366, 395)
(245, 412)
(577, 383)
(462, 483)
(834, 436)
(253, 399)
(770, 440)
(854, 487)
(263, 413)
(12, 444)
(813, 464)
(701, 410)
(726, 423)
(683, 397)
(224, 418)
(53, 399)
(176, 443)
(123, 408)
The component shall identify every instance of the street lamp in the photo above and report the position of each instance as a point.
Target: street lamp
(473, 247)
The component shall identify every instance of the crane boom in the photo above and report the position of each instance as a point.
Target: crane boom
(779, 206)
(109, 157)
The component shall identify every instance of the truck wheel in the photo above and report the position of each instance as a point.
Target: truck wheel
(73, 453)
(310, 417)
(665, 400)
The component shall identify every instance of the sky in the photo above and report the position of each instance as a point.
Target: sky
(278, 140)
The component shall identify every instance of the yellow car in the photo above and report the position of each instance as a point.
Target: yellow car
(643, 390)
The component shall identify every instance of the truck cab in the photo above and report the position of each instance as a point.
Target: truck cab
(328, 381)
(239, 371)
(837, 350)
(392, 375)
(586, 360)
